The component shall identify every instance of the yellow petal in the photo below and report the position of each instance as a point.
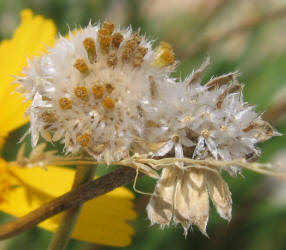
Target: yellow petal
(2, 140)
(31, 38)
(102, 220)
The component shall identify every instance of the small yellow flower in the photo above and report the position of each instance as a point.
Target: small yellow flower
(103, 220)
(30, 39)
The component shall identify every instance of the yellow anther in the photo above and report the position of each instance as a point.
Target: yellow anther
(117, 39)
(80, 65)
(65, 103)
(152, 124)
(176, 139)
(89, 45)
(48, 116)
(104, 39)
(112, 60)
(131, 44)
(205, 133)
(137, 61)
(108, 103)
(128, 51)
(97, 91)
(142, 51)
(109, 88)
(45, 98)
(84, 140)
(136, 38)
(108, 26)
(188, 119)
(164, 55)
(139, 56)
(81, 92)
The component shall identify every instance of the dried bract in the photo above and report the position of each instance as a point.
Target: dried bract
(183, 195)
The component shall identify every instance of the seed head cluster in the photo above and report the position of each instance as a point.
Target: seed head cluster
(108, 92)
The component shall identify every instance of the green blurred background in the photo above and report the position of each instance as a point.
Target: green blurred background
(244, 35)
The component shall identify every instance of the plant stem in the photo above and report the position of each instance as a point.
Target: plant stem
(69, 218)
(88, 191)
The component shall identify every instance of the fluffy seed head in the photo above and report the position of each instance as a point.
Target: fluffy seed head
(107, 92)
(90, 90)
(111, 85)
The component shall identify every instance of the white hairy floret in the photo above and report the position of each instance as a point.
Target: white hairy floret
(212, 120)
(89, 88)
(107, 91)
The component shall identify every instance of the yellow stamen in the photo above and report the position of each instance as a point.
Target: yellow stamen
(128, 51)
(117, 39)
(109, 88)
(108, 26)
(89, 45)
(137, 61)
(48, 116)
(97, 91)
(108, 103)
(136, 38)
(80, 65)
(142, 51)
(139, 56)
(205, 133)
(152, 124)
(65, 103)
(45, 98)
(81, 92)
(84, 140)
(104, 39)
(112, 60)
(165, 55)
(188, 119)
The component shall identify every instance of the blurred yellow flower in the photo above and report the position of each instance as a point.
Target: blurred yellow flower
(30, 39)
(102, 220)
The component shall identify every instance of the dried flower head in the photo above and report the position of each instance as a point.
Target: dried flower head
(105, 90)
(88, 91)
(213, 122)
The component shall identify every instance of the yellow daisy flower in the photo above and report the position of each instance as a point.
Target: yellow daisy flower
(103, 220)
(30, 39)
